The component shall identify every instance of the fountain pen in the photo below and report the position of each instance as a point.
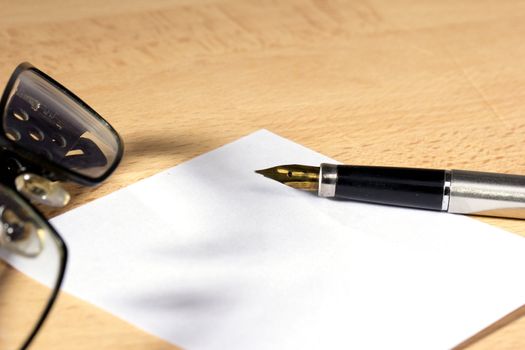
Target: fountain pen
(453, 191)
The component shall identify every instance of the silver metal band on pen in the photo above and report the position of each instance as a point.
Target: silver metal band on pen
(327, 180)
(446, 190)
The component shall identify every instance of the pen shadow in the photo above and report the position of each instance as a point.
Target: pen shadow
(198, 304)
(506, 320)
(206, 293)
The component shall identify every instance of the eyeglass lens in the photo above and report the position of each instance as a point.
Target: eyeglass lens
(43, 119)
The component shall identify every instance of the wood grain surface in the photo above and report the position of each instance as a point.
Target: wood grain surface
(381, 82)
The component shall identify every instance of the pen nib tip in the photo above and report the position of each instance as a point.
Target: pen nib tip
(266, 172)
(297, 176)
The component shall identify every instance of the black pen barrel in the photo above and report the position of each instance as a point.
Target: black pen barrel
(407, 187)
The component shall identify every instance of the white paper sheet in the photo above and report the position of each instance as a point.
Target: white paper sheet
(210, 255)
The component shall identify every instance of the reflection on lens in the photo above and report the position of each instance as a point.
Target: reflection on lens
(19, 235)
(39, 115)
(28, 244)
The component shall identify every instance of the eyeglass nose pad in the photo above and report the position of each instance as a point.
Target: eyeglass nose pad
(41, 190)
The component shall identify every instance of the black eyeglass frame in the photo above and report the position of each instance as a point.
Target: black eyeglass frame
(54, 170)
(62, 248)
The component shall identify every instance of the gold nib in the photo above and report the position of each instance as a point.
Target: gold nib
(301, 177)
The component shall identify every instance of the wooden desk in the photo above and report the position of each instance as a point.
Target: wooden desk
(407, 83)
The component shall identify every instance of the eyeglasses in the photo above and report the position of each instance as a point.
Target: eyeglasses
(47, 135)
